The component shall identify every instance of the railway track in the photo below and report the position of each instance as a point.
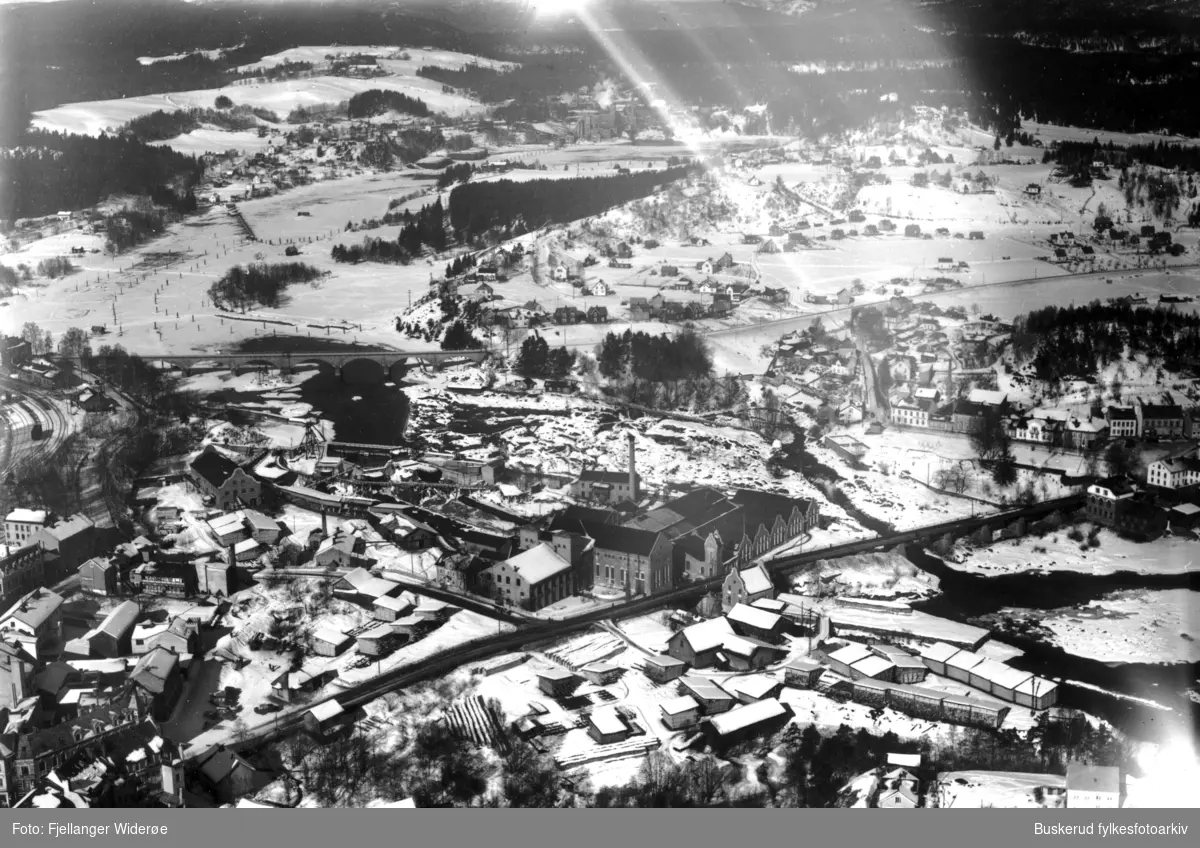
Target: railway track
(533, 633)
(34, 407)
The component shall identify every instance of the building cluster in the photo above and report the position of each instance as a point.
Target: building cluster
(1170, 500)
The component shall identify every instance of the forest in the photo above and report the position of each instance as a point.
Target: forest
(53, 171)
(426, 228)
(1064, 342)
(259, 284)
(366, 104)
(160, 125)
(664, 358)
(476, 208)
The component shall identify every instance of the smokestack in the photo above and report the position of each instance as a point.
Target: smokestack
(633, 485)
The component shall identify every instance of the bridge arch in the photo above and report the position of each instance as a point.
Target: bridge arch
(244, 365)
(363, 370)
(308, 363)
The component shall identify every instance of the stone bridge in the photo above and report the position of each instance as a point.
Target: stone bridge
(392, 365)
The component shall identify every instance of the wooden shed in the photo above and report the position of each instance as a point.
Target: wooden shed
(843, 658)
(680, 713)
(558, 682)
(328, 642)
(663, 669)
(934, 656)
(607, 726)
(1036, 693)
(908, 669)
(710, 697)
(602, 673)
(389, 608)
(959, 666)
(802, 673)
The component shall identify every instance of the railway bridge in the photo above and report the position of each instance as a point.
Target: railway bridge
(391, 364)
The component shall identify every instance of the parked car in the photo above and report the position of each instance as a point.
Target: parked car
(263, 709)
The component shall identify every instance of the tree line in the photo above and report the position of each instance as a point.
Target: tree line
(50, 171)
(424, 229)
(1061, 342)
(259, 284)
(476, 208)
(162, 125)
(376, 101)
(655, 359)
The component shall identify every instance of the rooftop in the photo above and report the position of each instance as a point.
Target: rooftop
(707, 634)
(873, 665)
(154, 668)
(682, 704)
(27, 516)
(214, 467)
(851, 653)
(326, 710)
(755, 579)
(538, 564)
(607, 720)
(755, 686)
(748, 715)
(752, 617)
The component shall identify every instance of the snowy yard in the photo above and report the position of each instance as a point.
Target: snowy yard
(1169, 555)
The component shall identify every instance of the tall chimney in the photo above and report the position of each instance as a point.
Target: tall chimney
(633, 484)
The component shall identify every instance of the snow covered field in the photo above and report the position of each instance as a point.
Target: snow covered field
(1134, 626)
(1057, 553)
(878, 575)
(1000, 789)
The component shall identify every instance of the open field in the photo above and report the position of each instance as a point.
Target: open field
(1171, 555)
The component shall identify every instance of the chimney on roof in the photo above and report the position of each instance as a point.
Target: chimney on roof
(633, 483)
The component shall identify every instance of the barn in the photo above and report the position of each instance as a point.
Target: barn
(741, 722)
(755, 623)
(699, 644)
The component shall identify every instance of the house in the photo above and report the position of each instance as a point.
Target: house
(745, 586)
(1162, 421)
(597, 315)
(680, 713)
(1080, 434)
(899, 790)
(532, 579)
(802, 673)
(74, 540)
(112, 637)
(1093, 787)
(226, 776)
(309, 678)
(21, 524)
(1033, 190)
(22, 570)
(669, 271)
(1174, 472)
(958, 667)
(606, 726)
(699, 644)
(327, 642)
(598, 288)
(558, 682)
(340, 550)
(34, 620)
(159, 675)
(170, 579)
(223, 481)
(662, 669)
(1103, 497)
(180, 636)
(98, 576)
(1122, 422)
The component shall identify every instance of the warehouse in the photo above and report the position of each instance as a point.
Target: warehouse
(873, 666)
(558, 682)
(1005, 680)
(982, 675)
(934, 656)
(909, 669)
(841, 659)
(1036, 693)
(959, 666)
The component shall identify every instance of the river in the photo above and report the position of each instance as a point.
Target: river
(966, 597)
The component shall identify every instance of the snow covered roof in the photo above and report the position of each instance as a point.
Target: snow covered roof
(803, 664)
(904, 760)
(991, 398)
(964, 660)
(938, 652)
(258, 521)
(538, 564)
(756, 686)
(556, 674)
(27, 516)
(328, 634)
(229, 523)
(362, 582)
(245, 546)
(663, 661)
(326, 710)
(770, 605)
(742, 646)
(873, 665)
(391, 603)
(607, 720)
(33, 609)
(748, 715)
(682, 704)
(1035, 686)
(1008, 677)
(851, 653)
(707, 634)
(756, 579)
(752, 617)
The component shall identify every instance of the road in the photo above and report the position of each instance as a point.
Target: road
(292, 719)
